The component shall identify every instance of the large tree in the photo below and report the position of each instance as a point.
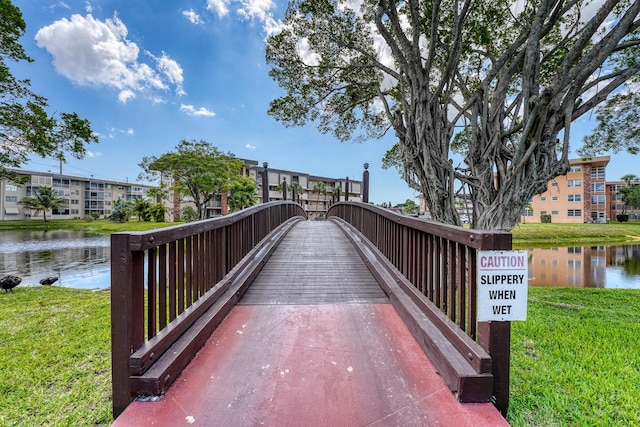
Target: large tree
(242, 193)
(25, 125)
(499, 81)
(198, 171)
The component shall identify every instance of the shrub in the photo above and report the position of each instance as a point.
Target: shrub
(189, 214)
(545, 219)
(622, 217)
(119, 216)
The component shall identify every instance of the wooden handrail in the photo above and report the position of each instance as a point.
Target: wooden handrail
(163, 280)
(438, 261)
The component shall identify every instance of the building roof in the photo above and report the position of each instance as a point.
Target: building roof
(596, 161)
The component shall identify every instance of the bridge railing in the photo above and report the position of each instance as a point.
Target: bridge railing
(439, 261)
(162, 281)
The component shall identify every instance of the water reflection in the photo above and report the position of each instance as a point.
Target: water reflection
(82, 260)
(79, 259)
(615, 266)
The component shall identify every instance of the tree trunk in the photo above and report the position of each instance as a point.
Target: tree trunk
(425, 149)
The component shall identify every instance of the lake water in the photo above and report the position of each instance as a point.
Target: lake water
(82, 260)
(613, 266)
(77, 258)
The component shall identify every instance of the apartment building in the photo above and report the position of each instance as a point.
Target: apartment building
(577, 197)
(315, 194)
(583, 195)
(87, 196)
(83, 196)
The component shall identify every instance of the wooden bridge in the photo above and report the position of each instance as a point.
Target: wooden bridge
(264, 318)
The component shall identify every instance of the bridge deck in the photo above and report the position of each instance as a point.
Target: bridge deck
(313, 343)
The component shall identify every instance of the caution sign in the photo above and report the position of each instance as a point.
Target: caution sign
(502, 285)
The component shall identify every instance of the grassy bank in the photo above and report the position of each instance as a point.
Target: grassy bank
(549, 235)
(55, 363)
(100, 226)
(575, 361)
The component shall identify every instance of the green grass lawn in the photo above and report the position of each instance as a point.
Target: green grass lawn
(549, 235)
(55, 363)
(576, 359)
(100, 226)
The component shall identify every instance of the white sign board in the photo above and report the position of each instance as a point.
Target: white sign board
(502, 285)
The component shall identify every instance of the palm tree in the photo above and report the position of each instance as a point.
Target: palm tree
(45, 199)
(296, 188)
(319, 187)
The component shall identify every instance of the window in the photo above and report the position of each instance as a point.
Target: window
(11, 199)
(597, 173)
(543, 212)
(597, 187)
(542, 198)
(574, 212)
(574, 183)
(575, 168)
(598, 200)
(10, 187)
(554, 198)
(574, 198)
(554, 212)
(527, 212)
(554, 184)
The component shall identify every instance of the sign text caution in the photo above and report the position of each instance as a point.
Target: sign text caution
(502, 285)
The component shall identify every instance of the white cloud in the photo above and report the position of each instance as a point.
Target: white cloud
(256, 9)
(191, 110)
(220, 7)
(92, 52)
(193, 17)
(250, 147)
(88, 8)
(306, 54)
(126, 95)
(272, 27)
(260, 10)
(158, 100)
(113, 130)
(171, 70)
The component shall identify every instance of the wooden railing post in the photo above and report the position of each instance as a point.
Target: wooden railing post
(495, 338)
(127, 306)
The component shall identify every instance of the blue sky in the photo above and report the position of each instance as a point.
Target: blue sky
(148, 74)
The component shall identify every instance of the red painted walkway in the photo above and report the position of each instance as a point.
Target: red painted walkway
(310, 365)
